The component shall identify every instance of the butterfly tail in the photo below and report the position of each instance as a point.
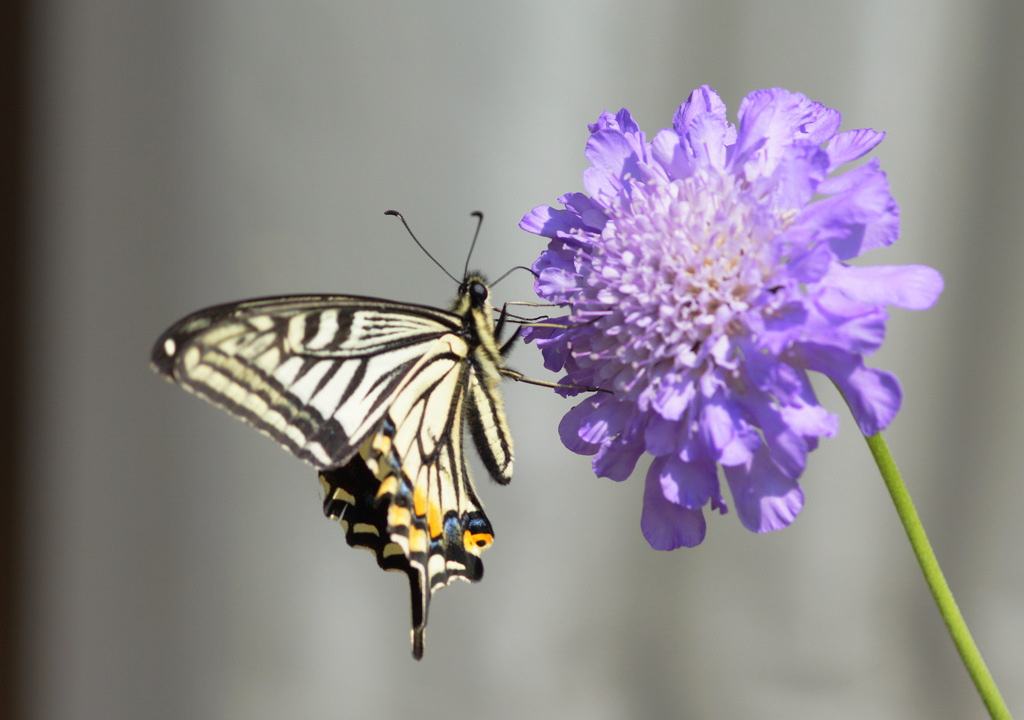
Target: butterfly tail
(420, 603)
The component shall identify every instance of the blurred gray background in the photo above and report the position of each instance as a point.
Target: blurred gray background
(192, 153)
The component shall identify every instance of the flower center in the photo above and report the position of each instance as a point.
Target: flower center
(679, 265)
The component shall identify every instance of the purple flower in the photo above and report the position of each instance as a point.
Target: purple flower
(704, 274)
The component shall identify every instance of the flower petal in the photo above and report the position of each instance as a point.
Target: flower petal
(729, 437)
(766, 499)
(702, 101)
(874, 396)
(770, 121)
(549, 222)
(617, 459)
(690, 484)
(605, 420)
(703, 130)
(674, 398)
(670, 155)
(852, 144)
(914, 287)
(609, 150)
(663, 437)
(569, 429)
(666, 525)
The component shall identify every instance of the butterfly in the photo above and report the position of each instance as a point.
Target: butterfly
(377, 396)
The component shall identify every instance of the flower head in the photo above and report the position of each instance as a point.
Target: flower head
(705, 274)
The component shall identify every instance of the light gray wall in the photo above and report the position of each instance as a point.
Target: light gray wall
(199, 152)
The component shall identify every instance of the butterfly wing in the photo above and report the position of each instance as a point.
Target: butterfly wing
(315, 374)
(374, 394)
(418, 516)
(434, 527)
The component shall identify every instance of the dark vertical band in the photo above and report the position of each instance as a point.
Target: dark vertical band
(13, 230)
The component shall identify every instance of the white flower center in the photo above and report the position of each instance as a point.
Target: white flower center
(677, 268)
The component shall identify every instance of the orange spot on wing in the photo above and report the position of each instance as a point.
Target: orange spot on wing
(434, 522)
(476, 542)
(419, 499)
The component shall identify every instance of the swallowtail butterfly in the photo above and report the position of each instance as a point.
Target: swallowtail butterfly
(376, 395)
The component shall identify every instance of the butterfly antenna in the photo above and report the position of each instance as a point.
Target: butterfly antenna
(517, 267)
(479, 221)
(417, 241)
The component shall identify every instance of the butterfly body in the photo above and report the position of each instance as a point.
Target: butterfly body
(377, 396)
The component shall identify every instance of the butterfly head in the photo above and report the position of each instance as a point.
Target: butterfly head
(474, 293)
(475, 289)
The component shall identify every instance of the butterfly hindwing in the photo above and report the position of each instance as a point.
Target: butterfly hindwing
(411, 516)
(376, 395)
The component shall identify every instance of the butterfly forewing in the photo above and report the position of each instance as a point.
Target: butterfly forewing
(376, 395)
(313, 373)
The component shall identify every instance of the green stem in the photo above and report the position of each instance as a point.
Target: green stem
(972, 659)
